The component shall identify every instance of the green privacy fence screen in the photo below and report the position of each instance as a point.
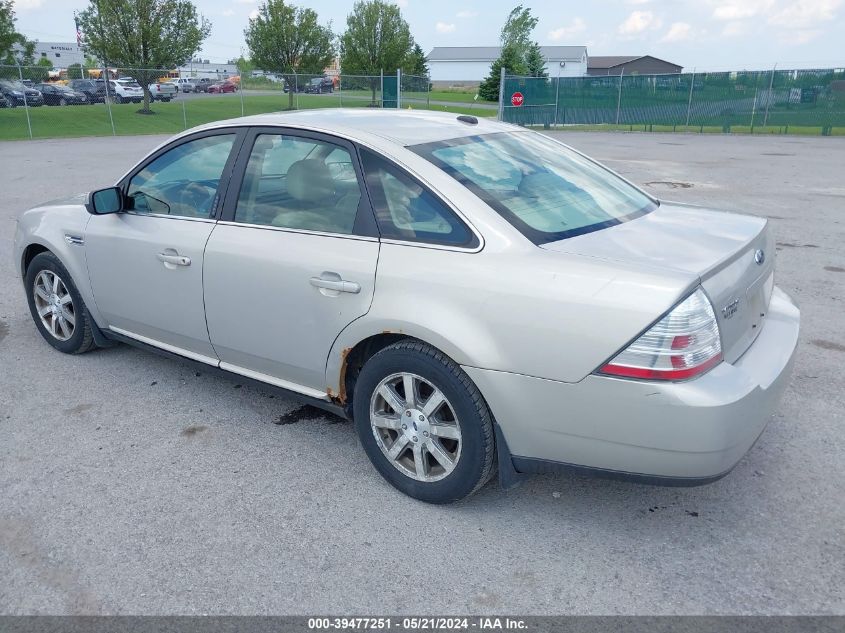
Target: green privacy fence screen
(777, 101)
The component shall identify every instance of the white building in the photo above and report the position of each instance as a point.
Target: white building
(60, 54)
(471, 64)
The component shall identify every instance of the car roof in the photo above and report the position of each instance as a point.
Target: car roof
(404, 127)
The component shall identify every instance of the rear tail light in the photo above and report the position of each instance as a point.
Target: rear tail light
(683, 344)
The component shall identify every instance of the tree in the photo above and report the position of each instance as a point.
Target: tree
(535, 63)
(513, 65)
(287, 40)
(143, 37)
(14, 47)
(416, 63)
(520, 54)
(517, 30)
(377, 39)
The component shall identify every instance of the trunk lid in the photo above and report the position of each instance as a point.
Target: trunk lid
(731, 254)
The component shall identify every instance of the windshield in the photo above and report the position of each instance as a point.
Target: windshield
(545, 190)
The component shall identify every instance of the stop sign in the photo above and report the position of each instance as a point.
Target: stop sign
(517, 99)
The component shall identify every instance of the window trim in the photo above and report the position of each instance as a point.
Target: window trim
(475, 243)
(365, 220)
(225, 176)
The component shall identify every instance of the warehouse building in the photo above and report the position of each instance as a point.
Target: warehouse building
(630, 65)
(467, 65)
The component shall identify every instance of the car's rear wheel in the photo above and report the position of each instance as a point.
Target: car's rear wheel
(423, 423)
(56, 306)
(62, 102)
(118, 99)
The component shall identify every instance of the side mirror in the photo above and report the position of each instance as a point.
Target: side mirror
(105, 201)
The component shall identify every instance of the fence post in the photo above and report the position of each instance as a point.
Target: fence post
(557, 91)
(184, 114)
(689, 102)
(296, 91)
(25, 102)
(107, 98)
(381, 87)
(241, 90)
(340, 88)
(501, 113)
(398, 88)
(754, 107)
(619, 98)
(769, 96)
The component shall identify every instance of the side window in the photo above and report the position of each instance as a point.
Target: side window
(184, 180)
(299, 183)
(405, 210)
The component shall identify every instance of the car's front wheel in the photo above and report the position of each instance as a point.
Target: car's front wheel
(423, 423)
(56, 306)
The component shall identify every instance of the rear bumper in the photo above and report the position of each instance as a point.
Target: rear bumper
(666, 433)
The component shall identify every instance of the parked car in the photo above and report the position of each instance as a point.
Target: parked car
(185, 84)
(126, 90)
(222, 86)
(4, 103)
(163, 91)
(59, 95)
(201, 84)
(18, 94)
(471, 294)
(319, 85)
(95, 91)
(296, 85)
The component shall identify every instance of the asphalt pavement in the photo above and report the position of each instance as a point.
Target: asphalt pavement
(133, 484)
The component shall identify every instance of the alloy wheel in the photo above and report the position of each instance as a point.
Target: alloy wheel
(415, 426)
(54, 305)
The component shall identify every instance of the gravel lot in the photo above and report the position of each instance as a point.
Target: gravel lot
(130, 484)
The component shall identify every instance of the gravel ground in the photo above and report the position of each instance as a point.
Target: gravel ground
(131, 484)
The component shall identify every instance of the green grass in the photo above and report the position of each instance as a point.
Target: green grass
(701, 129)
(169, 118)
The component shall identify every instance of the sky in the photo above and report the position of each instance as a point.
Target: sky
(701, 34)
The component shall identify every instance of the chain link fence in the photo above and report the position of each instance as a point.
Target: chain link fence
(773, 101)
(40, 103)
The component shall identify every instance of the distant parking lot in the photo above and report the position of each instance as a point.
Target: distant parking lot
(135, 484)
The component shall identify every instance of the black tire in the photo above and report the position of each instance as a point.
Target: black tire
(62, 102)
(476, 464)
(118, 99)
(82, 339)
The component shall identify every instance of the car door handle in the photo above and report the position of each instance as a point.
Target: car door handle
(337, 284)
(176, 260)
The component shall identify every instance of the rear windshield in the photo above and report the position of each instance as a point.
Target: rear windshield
(545, 190)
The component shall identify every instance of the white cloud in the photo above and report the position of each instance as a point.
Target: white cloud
(402, 4)
(804, 13)
(638, 22)
(466, 14)
(253, 14)
(801, 37)
(678, 32)
(443, 27)
(228, 12)
(740, 9)
(576, 26)
(734, 29)
(27, 5)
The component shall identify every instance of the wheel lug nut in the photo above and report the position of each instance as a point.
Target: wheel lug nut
(408, 413)
(422, 418)
(415, 438)
(425, 433)
(404, 427)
